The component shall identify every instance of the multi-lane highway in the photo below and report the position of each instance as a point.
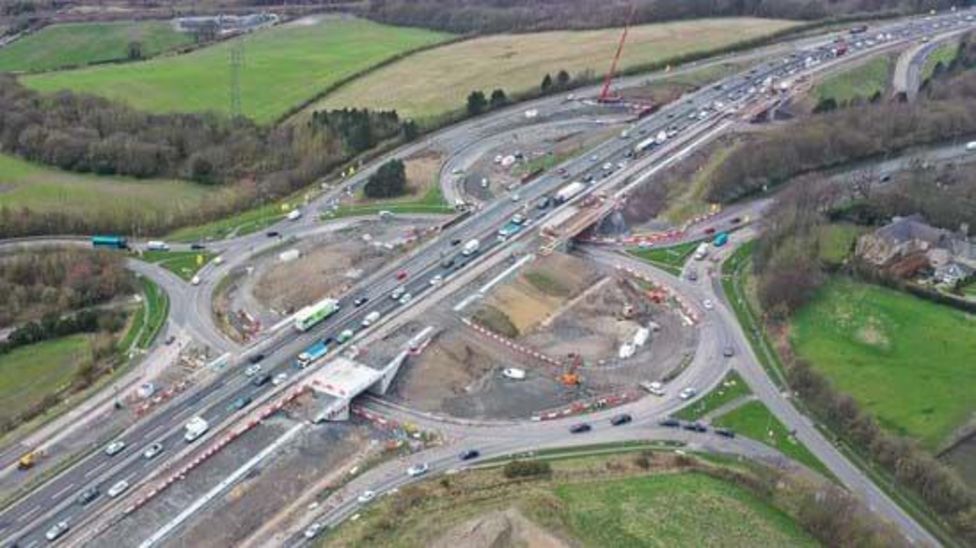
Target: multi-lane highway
(55, 501)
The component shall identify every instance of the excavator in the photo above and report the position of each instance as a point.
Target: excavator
(571, 376)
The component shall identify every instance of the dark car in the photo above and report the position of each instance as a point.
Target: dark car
(240, 403)
(360, 301)
(456, 242)
(728, 351)
(725, 432)
(670, 423)
(261, 380)
(588, 178)
(736, 220)
(87, 496)
(256, 358)
(543, 202)
(447, 263)
(272, 234)
(580, 428)
(696, 427)
(710, 230)
(197, 247)
(621, 419)
(470, 454)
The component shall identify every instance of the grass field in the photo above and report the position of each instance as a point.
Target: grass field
(666, 509)
(753, 420)
(860, 82)
(906, 360)
(31, 372)
(732, 388)
(944, 54)
(40, 188)
(836, 241)
(430, 202)
(283, 67)
(439, 80)
(671, 259)
(79, 44)
(182, 263)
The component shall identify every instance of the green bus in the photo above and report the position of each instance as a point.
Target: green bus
(313, 314)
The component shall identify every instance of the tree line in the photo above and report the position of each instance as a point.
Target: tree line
(495, 16)
(53, 326)
(83, 133)
(38, 284)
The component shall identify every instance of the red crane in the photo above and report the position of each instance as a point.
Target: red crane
(605, 96)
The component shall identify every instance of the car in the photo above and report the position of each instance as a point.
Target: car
(725, 432)
(252, 370)
(312, 530)
(257, 358)
(436, 280)
(621, 419)
(279, 379)
(728, 351)
(406, 298)
(688, 393)
(261, 380)
(561, 171)
(513, 373)
(670, 423)
(455, 242)
(114, 448)
(360, 301)
(588, 178)
(272, 234)
(418, 470)
(736, 220)
(516, 197)
(543, 202)
(87, 496)
(401, 275)
(152, 451)
(170, 340)
(708, 304)
(469, 454)
(710, 230)
(118, 489)
(344, 336)
(56, 530)
(240, 403)
(695, 427)
(197, 247)
(447, 263)
(366, 496)
(397, 293)
(580, 428)
(692, 275)
(656, 387)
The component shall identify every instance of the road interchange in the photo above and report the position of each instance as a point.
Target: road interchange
(214, 398)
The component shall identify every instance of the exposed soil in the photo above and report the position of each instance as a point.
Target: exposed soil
(499, 529)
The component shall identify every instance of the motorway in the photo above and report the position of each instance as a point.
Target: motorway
(28, 518)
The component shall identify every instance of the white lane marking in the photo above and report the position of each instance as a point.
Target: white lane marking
(30, 512)
(67, 488)
(95, 470)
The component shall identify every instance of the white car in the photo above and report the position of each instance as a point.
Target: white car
(655, 388)
(708, 304)
(366, 496)
(436, 280)
(114, 448)
(418, 470)
(56, 531)
(313, 530)
(279, 378)
(118, 489)
(687, 393)
(516, 197)
(152, 451)
(252, 370)
(513, 373)
(406, 298)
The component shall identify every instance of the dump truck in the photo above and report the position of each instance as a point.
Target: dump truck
(311, 354)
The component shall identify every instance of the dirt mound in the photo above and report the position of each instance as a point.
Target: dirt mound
(499, 529)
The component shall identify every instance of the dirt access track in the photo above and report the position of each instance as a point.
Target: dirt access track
(557, 306)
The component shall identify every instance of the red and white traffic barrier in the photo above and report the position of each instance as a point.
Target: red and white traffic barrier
(511, 344)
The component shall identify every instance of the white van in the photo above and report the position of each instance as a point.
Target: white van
(371, 318)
